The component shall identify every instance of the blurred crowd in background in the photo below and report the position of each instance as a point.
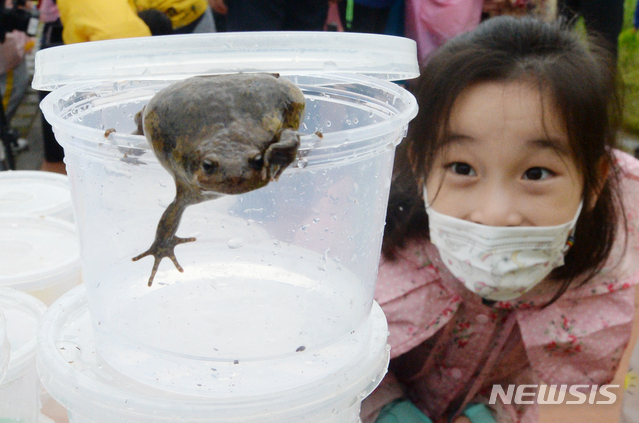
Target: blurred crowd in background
(26, 25)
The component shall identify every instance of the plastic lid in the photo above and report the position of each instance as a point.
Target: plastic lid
(5, 347)
(75, 375)
(176, 56)
(25, 192)
(36, 252)
(22, 313)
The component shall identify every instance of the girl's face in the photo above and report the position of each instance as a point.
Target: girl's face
(508, 161)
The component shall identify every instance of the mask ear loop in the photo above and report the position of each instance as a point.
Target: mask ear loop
(425, 194)
(571, 236)
(569, 242)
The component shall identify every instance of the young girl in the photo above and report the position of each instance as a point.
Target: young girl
(511, 248)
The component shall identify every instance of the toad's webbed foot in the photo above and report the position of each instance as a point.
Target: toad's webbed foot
(163, 248)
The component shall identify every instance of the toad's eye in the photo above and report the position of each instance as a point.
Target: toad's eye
(256, 162)
(209, 166)
(537, 174)
(461, 168)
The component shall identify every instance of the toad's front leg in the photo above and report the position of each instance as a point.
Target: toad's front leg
(165, 239)
(282, 153)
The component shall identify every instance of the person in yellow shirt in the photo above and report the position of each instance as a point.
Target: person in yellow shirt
(99, 20)
(187, 16)
(92, 20)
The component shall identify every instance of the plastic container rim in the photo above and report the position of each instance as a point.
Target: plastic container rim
(396, 122)
(22, 359)
(39, 176)
(45, 278)
(287, 52)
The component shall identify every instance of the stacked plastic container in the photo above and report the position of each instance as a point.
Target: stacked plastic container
(273, 319)
(40, 261)
(20, 389)
(38, 240)
(5, 348)
(34, 193)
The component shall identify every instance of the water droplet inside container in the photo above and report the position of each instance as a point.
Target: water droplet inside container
(302, 163)
(323, 260)
(355, 121)
(70, 351)
(236, 242)
(328, 123)
(316, 220)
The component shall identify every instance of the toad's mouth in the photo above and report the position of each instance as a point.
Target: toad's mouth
(231, 185)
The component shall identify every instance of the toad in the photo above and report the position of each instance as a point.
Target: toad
(218, 135)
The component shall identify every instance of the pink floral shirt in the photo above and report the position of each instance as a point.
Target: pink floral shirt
(579, 339)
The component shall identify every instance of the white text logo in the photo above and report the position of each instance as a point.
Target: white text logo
(525, 394)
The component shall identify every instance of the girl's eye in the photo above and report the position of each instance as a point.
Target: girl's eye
(537, 174)
(462, 169)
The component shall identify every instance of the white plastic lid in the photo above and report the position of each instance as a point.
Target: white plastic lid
(5, 347)
(37, 252)
(22, 313)
(25, 192)
(75, 375)
(176, 56)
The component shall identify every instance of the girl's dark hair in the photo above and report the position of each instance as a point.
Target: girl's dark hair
(581, 80)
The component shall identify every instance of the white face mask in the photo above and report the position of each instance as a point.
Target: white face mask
(499, 262)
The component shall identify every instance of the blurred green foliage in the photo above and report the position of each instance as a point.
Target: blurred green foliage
(629, 70)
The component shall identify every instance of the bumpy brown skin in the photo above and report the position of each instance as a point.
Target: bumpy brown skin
(225, 134)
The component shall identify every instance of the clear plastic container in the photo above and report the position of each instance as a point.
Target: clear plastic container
(20, 389)
(94, 392)
(277, 291)
(40, 256)
(29, 193)
(5, 347)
